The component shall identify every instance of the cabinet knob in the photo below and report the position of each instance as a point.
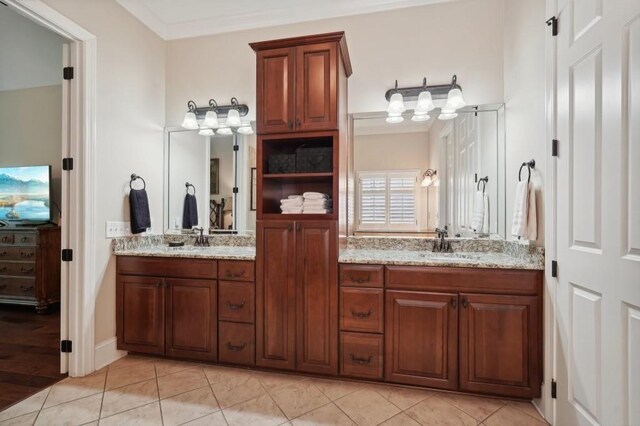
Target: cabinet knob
(3, 286)
(290, 124)
(158, 285)
(454, 302)
(3, 253)
(465, 303)
(361, 361)
(298, 227)
(236, 348)
(361, 315)
(24, 239)
(235, 306)
(3, 269)
(297, 122)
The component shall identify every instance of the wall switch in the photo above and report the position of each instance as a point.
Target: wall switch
(117, 229)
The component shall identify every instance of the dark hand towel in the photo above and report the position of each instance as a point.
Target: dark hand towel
(189, 212)
(140, 216)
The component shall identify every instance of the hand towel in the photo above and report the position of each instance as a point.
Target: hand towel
(295, 197)
(316, 210)
(520, 212)
(479, 204)
(139, 209)
(317, 203)
(297, 210)
(532, 217)
(487, 215)
(189, 212)
(314, 195)
(291, 202)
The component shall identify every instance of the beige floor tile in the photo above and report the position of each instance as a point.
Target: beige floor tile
(217, 374)
(402, 398)
(183, 381)
(128, 397)
(234, 391)
(130, 361)
(400, 420)
(436, 411)
(73, 388)
(165, 367)
(326, 415)
(141, 416)
(215, 419)
(29, 405)
(258, 411)
(367, 407)
(509, 415)
(527, 408)
(273, 381)
(188, 406)
(128, 375)
(298, 398)
(23, 420)
(76, 412)
(477, 407)
(334, 389)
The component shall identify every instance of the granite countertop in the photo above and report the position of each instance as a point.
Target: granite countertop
(215, 252)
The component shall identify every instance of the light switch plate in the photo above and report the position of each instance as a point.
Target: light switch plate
(115, 229)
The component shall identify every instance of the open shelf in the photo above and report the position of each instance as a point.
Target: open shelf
(300, 176)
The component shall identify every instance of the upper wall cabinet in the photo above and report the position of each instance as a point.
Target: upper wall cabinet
(298, 83)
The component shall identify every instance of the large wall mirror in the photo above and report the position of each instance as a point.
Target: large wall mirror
(412, 177)
(201, 173)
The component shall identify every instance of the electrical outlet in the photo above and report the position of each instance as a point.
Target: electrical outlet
(117, 229)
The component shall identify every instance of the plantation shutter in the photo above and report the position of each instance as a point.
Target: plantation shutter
(402, 199)
(373, 201)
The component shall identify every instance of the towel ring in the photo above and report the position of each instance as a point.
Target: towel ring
(188, 185)
(136, 177)
(484, 181)
(530, 165)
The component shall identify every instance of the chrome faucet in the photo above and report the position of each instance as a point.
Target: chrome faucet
(201, 240)
(444, 246)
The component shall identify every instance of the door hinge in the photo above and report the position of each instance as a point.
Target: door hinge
(554, 148)
(475, 179)
(67, 255)
(236, 147)
(235, 189)
(67, 73)
(554, 389)
(554, 268)
(553, 23)
(67, 163)
(65, 346)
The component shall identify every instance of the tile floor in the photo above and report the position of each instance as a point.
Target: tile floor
(149, 391)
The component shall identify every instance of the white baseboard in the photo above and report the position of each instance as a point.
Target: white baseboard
(107, 352)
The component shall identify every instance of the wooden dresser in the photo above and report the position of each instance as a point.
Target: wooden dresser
(30, 266)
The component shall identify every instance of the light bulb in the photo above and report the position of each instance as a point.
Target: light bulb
(190, 122)
(455, 99)
(420, 117)
(425, 103)
(233, 118)
(396, 104)
(211, 120)
(204, 131)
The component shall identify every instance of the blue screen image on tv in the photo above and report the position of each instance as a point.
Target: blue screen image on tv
(25, 193)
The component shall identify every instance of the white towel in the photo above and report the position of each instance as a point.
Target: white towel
(520, 210)
(478, 212)
(315, 195)
(532, 216)
(317, 203)
(295, 197)
(291, 202)
(316, 210)
(297, 210)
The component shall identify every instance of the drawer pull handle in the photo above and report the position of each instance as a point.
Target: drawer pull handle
(26, 254)
(26, 270)
(236, 348)
(361, 361)
(158, 285)
(3, 269)
(24, 239)
(362, 315)
(6, 239)
(4, 253)
(3, 286)
(230, 274)
(360, 280)
(235, 306)
(25, 289)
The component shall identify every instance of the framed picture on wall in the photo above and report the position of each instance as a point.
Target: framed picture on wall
(254, 188)
(214, 176)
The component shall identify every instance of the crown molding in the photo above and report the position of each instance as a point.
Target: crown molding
(146, 16)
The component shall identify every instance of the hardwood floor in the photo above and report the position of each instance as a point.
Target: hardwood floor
(29, 352)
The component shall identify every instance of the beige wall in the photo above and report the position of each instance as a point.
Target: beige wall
(524, 91)
(435, 41)
(31, 131)
(130, 117)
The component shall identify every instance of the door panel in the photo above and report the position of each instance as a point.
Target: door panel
(275, 295)
(316, 87)
(191, 318)
(275, 90)
(317, 307)
(421, 339)
(140, 317)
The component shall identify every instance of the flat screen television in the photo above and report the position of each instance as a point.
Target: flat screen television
(25, 194)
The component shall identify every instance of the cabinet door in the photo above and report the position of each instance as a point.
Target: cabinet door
(421, 339)
(317, 282)
(191, 318)
(499, 344)
(275, 295)
(275, 90)
(140, 314)
(316, 87)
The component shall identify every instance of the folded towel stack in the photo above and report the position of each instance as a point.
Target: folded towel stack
(525, 221)
(292, 204)
(316, 203)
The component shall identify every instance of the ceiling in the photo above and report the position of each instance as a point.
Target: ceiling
(174, 19)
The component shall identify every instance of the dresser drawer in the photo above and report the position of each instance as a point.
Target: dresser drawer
(25, 239)
(361, 309)
(236, 343)
(361, 355)
(362, 275)
(167, 267)
(27, 269)
(236, 270)
(236, 301)
(17, 253)
(18, 287)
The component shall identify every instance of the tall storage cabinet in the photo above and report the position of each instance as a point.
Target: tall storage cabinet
(301, 102)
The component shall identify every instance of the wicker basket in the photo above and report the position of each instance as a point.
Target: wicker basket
(282, 163)
(311, 159)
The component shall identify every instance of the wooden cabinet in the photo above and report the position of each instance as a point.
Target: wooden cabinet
(421, 339)
(276, 107)
(316, 87)
(500, 344)
(361, 355)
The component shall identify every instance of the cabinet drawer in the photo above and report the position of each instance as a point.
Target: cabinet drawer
(18, 287)
(236, 343)
(362, 275)
(17, 253)
(361, 355)
(166, 267)
(27, 269)
(236, 301)
(7, 238)
(361, 309)
(237, 270)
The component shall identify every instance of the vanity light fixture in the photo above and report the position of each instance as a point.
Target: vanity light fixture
(424, 104)
(190, 121)
(212, 113)
(420, 117)
(447, 113)
(205, 131)
(454, 97)
(225, 130)
(428, 178)
(245, 129)
(233, 117)
(211, 118)
(425, 95)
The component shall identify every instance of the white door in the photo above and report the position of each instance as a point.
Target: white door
(597, 352)
(466, 139)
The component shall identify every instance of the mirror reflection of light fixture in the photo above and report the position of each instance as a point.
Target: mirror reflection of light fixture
(428, 178)
(420, 117)
(225, 130)
(245, 129)
(205, 131)
(190, 121)
(394, 118)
